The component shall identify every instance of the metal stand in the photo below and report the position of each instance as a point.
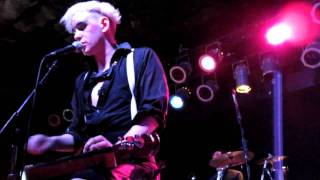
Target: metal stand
(220, 173)
(265, 169)
(269, 66)
(243, 139)
(15, 172)
(278, 124)
(13, 169)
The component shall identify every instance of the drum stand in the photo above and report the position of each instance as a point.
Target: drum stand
(220, 173)
(265, 169)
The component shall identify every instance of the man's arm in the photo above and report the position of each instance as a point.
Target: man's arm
(39, 143)
(146, 126)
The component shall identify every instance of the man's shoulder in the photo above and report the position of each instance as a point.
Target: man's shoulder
(143, 51)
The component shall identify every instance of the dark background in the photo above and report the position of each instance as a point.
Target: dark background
(30, 29)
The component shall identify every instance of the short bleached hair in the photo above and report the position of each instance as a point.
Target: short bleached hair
(103, 8)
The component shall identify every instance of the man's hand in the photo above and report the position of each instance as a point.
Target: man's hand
(39, 144)
(96, 143)
(216, 154)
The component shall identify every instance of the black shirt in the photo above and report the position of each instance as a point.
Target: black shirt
(112, 117)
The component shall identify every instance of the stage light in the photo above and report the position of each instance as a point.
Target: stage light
(54, 120)
(180, 73)
(315, 12)
(206, 91)
(269, 63)
(294, 24)
(178, 100)
(279, 33)
(310, 56)
(67, 115)
(209, 61)
(240, 74)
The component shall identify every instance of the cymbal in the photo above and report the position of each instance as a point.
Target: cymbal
(272, 159)
(230, 159)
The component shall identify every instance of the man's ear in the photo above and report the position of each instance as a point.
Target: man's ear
(104, 23)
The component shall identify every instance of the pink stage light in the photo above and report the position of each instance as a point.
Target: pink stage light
(298, 16)
(293, 24)
(279, 33)
(207, 63)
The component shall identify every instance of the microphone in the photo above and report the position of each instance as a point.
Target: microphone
(76, 46)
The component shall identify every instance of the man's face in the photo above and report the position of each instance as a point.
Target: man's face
(88, 31)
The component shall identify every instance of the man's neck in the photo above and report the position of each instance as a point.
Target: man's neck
(103, 60)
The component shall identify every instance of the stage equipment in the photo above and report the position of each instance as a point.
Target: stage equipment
(70, 164)
(269, 67)
(76, 46)
(206, 91)
(310, 56)
(230, 159)
(271, 159)
(209, 61)
(18, 150)
(67, 115)
(244, 141)
(179, 99)
(54, 120)
(268, 169)
(279, 33)
(180, 73)
(139, 147)
(240, 74)
(315, 12)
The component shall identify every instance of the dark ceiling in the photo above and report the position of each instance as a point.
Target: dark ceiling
(29, 29)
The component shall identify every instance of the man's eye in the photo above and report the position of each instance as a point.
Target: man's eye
(81, 26)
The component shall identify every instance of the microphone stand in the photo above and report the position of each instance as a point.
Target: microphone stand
(243, 140)
(14, 173)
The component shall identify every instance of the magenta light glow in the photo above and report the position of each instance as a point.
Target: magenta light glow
(207, 63)
(279, 33)
(298, 16)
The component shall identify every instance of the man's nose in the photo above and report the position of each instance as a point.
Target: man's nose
(77, 35)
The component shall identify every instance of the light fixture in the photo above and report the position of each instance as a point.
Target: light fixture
(179, 99)
(279, 33)
(206, 91)
(310, 56)
(315, 12)
(180, 73)
(67, 115)
(269, 63)
(240, 74)
(211, 58)
(207, 63)
(54, 120)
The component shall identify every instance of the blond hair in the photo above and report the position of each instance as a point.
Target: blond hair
(103, 8)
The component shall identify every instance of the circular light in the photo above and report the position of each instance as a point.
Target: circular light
(176, 102)
(67, 115)
(279, 33)
(207, 63)
(178, 74)
(315, 13)
(243, 89)
(205, 93)
(54, 120)
(310, 57)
